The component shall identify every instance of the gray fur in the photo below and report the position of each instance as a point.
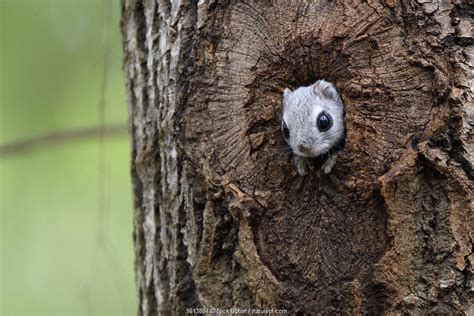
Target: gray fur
(301, 109)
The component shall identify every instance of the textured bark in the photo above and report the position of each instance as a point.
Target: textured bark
(221, 217)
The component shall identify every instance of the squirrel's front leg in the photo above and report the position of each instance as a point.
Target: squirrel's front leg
(329, 163)
(302, 165)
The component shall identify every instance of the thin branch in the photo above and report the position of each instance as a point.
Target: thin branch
(61, 137)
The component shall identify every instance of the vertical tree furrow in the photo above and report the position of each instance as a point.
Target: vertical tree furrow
(133, 28)
(154, 70)
(174, 30)
(159, 256)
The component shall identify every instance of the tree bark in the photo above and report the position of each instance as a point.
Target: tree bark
(221, 217)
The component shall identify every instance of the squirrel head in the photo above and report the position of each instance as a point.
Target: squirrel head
(313, 118)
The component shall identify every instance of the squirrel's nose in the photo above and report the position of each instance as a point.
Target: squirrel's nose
(303, 148)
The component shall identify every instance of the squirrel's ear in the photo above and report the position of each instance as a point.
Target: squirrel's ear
(325, 89)
(287, 92)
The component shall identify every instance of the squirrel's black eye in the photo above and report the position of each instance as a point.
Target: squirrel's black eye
(324, 122)
(285, 130)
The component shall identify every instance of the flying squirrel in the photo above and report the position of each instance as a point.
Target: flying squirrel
(313, 125)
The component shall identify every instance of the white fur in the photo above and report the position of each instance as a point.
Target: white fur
(301, 109)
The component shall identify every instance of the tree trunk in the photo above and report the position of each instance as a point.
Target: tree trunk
(223, 220)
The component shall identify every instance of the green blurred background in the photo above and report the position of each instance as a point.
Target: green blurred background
(66, 207)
